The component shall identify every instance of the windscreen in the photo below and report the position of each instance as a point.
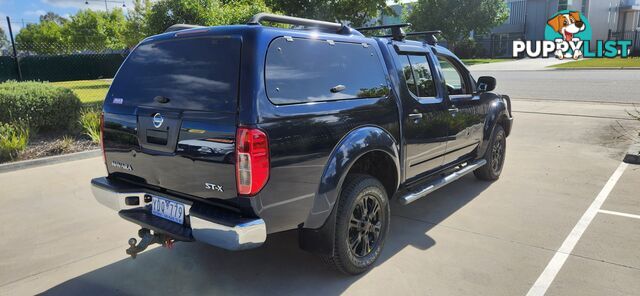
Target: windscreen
(186, 73)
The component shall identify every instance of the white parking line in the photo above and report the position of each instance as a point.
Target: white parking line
(541, 285)
(619, 214)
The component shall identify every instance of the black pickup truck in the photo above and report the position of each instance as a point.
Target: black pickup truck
(223, 135)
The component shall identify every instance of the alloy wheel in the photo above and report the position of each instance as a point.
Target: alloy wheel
(365, 226)
(497, 153)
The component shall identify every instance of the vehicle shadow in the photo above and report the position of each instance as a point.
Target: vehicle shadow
(279, 267)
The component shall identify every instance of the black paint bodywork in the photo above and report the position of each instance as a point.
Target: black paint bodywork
(313, 146)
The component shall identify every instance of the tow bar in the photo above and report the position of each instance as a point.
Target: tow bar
(147, 240)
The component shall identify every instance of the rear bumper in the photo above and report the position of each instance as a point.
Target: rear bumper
(211, 225)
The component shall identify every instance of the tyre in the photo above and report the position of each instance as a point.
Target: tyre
(494, 155)
(362, 223)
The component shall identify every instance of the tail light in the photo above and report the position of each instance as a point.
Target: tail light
(252, 160)
(104, 154)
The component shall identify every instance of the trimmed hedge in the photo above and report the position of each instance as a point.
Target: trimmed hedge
(41, 105)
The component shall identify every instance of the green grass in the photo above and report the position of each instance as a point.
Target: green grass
(601, 63)
(470, 62)
(89, 91)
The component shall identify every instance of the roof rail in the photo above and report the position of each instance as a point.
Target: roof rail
(180, 27)
(283, 19)
(397, 33)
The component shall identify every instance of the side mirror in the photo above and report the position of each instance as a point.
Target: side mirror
(486, 83)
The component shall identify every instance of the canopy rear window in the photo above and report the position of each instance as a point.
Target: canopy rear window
(192, 73)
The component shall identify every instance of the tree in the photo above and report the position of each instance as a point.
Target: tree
(96, 30)
(237, 12)
(165, 13)
(457, 19)
(43, 38)
(354, 12)
(136, 27)
(4, 41)
(54, 17)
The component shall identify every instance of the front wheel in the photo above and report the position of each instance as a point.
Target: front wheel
(494, 155)
(362, 223)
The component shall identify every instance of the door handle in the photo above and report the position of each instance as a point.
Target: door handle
(454, 110)
(415, 116)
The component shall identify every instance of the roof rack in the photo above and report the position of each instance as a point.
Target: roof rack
(429, 36)
(283, 19)
(397, 33)
(180, 27)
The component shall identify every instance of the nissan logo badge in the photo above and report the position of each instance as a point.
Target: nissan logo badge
(157, 120)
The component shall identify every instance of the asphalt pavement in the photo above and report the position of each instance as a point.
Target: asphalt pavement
(530, 79)
(469, 238)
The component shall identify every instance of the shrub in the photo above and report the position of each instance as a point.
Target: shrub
(13, 139)
(42, 106)
(90, 121)
(468, 49)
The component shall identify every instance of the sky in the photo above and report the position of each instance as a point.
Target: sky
(23, 12)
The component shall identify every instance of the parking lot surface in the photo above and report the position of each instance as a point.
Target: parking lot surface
(574, 85)
(469, 238)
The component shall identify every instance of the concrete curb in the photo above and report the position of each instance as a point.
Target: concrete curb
(595, 68)
(633, 154)
(25, 164)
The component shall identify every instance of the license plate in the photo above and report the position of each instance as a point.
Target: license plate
(167, 209)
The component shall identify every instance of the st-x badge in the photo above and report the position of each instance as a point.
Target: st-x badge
(213, 187)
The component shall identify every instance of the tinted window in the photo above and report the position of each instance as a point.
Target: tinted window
(408, 74)
(305, 70)
(422, 75)
(417, 73)
(452, 77)
(196, 74)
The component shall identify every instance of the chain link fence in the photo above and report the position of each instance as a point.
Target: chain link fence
(634, 36)
(85, 67)
(498, 45)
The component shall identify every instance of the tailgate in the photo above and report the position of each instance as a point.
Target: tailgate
(170, 116)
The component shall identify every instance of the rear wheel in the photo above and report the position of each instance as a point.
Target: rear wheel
(494, 155)
(362, 223)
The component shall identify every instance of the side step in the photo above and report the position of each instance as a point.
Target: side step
(439, 182)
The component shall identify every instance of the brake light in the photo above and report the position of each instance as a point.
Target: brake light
(104, 154)
(252, 160)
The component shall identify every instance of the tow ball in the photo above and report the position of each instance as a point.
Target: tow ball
(147, 239)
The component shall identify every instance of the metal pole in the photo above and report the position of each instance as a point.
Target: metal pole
(105, 6)
(634, 48)
(491, 47)
(15, 52)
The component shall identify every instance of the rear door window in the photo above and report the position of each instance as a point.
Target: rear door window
(417, 74)
(310, 70)
(192, 73)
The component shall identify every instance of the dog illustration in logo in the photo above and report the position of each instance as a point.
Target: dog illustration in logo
(567, 25)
